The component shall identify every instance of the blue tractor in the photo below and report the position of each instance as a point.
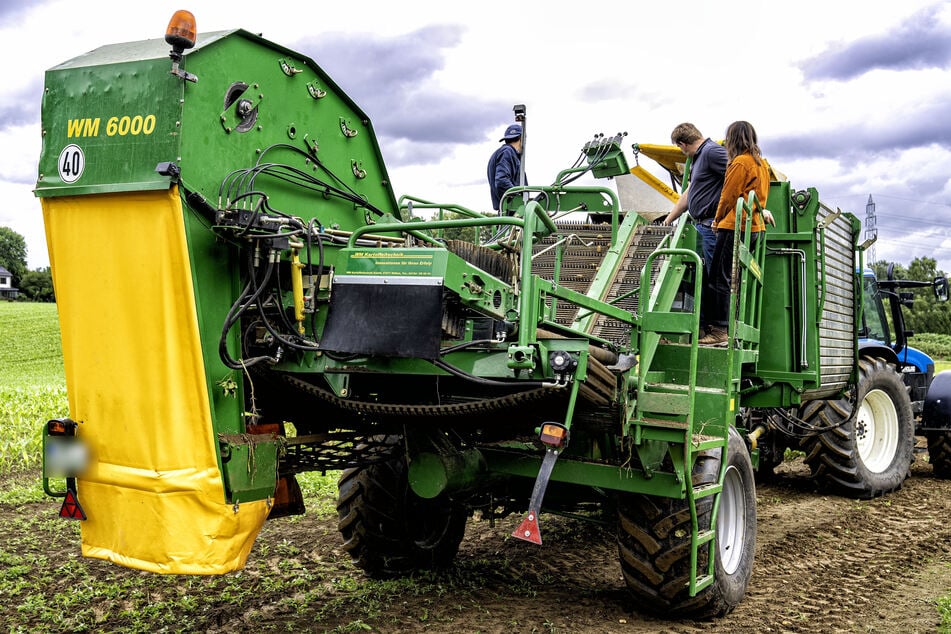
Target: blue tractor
(930, 394)
(897, 397)
(861, 444)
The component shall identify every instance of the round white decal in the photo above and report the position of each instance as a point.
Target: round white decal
(72, 162)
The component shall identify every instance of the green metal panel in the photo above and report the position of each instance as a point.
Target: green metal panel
(250, 465)
(780, 302)
(213, 297)
(109, 118)
(298, 117)
(788, 305)
(603, 476)
(115, 113)
(301, 122)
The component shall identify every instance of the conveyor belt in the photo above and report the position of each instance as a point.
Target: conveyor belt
(583, 255)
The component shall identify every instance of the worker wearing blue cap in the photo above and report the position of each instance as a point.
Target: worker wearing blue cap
(503, 168)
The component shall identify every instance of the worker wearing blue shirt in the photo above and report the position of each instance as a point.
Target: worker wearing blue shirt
(505, 163)
(708, 167)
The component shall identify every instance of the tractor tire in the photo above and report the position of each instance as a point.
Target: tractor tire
(939, 453)
(387, 529)
(654, 540)
(871, 454)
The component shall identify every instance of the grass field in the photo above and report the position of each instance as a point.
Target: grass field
(31, 353)
(32, 383)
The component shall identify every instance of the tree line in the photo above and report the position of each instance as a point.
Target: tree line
(926, 314)
(35, 285)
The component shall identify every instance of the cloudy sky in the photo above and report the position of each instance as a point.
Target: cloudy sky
(850, 97)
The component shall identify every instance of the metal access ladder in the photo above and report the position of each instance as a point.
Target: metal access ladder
(689, 408)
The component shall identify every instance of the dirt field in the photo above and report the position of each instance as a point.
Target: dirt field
(823, 564)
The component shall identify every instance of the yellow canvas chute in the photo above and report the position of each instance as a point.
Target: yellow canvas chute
(133, 360)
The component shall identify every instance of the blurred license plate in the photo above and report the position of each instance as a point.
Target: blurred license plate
(66, 457)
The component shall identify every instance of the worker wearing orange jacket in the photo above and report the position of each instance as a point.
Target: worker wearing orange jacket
(746, 172)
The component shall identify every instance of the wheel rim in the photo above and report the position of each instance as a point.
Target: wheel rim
(427, 521)
(731, 521)
(876, 431)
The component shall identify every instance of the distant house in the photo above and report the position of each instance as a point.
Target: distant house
(7, 291)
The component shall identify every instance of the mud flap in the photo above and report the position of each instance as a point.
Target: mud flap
(288, 498)
(385, 316)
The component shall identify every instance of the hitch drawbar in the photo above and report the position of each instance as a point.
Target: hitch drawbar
(555, 437)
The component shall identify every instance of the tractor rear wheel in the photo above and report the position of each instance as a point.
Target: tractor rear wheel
(387, 529)
(869, 454)
(939, 453)
(654, 540)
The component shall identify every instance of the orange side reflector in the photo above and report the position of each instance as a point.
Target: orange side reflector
(553, 434)
(71, 509)
(61, 427)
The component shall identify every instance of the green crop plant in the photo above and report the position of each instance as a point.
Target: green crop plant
(31, 353)
(320, 492)
(22, 410)
(32, 387)
(944, 611)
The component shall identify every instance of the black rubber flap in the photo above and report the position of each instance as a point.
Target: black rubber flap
(393, 319)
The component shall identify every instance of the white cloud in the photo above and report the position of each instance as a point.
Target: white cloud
(20, 155)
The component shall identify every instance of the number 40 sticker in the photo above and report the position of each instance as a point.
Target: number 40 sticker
(72, 162)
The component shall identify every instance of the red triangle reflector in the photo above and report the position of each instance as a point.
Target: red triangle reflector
(528, 529)
(71, 509)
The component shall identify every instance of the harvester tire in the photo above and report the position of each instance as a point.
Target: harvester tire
(387, 529)
(654, 540)
(871, 453)
(939, 453)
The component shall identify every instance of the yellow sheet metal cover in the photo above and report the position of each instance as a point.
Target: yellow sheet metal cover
(667, 156)
(655, 183)
(136, 383)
